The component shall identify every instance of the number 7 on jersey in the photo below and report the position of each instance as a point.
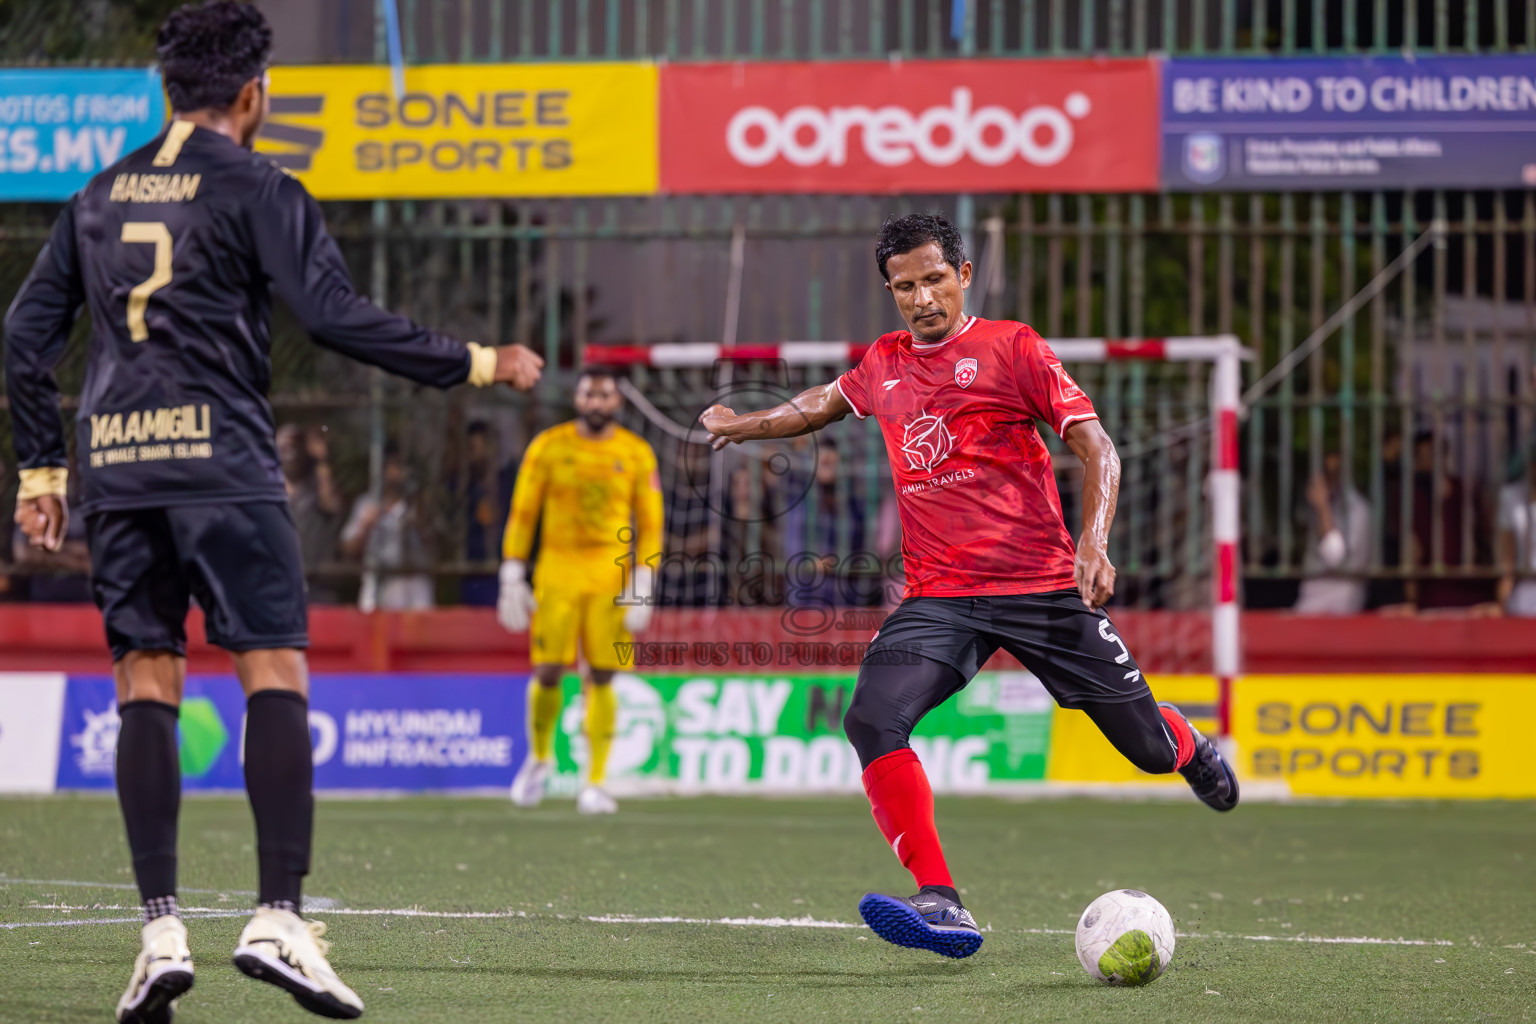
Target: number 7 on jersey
(157, 234)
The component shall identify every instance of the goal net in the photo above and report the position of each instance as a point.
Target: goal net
(800, 536)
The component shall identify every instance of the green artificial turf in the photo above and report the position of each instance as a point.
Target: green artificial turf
(1462, 873)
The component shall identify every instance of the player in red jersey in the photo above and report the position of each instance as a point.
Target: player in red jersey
(989, 561)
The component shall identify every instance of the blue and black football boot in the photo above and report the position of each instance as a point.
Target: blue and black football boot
(1207, 772)
(930, 920)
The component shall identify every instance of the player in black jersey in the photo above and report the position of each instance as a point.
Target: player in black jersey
(177, 250)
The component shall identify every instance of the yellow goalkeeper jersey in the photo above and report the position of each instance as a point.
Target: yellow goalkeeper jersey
(598, 500)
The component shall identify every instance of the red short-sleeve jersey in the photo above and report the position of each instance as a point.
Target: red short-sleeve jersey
(979, 509)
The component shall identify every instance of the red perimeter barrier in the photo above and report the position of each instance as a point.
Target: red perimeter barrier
(69, 638)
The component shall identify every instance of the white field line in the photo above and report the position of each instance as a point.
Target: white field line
(311, 902)
(630, 919)
(71, 883)
(1328, 940)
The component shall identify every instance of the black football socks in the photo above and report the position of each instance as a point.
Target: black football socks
(149, 793)
(279, 778)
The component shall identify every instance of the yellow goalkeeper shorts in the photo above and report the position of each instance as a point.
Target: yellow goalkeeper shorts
(563, 616)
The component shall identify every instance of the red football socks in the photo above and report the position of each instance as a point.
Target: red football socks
(902, 803)
(1183, 736)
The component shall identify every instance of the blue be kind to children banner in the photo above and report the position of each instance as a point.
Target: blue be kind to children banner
(1349, 123)
(60, 127)
(368, 732)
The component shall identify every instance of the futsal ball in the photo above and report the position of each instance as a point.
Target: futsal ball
(1125, 937)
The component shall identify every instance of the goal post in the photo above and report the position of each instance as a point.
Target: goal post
(1222, 354)
(1225, 354)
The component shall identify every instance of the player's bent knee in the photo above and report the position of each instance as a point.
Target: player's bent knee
(873, 728)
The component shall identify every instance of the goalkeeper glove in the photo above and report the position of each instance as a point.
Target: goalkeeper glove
(638, 616)
(515, 604)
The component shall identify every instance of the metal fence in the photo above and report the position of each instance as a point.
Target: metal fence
(1420, 408)
(473, 30)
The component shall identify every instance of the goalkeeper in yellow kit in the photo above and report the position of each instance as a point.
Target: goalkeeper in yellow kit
(595, 486)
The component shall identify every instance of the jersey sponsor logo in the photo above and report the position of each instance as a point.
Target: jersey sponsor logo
(891, 383)
(934, 483)
(926, 442)
(965, 371)
(166, 423)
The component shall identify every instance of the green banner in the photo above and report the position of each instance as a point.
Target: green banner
(784, 733)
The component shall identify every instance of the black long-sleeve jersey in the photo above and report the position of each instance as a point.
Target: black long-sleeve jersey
(177, 250)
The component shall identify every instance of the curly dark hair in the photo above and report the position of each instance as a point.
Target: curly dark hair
(208, 51)
(903, 234)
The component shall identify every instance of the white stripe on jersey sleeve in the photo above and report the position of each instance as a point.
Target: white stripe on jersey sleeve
(838, 380)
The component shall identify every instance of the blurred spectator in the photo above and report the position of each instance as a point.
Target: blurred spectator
(487, 499)
(753, 564)
(817, 535)
(314, 501)
(1517, 543)
(693, 570)
(385, 532)
(1340, 540)
(1438, 501)
(1388, 593)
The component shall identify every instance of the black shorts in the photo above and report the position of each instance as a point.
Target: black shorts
(1073, 649)
(241, 562)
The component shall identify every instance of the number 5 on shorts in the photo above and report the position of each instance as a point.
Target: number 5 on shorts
(157, 234)
(1107, 632)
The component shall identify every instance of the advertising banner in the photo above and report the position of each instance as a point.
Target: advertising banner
(369, 732)
(60, 127)
(910, 126)
(31, 705)
(1393, 736)
(785, 734)
(1387, 736)
(466, 130)
(1350, 123)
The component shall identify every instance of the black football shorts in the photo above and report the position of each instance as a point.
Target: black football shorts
(1074, 650)
(241, 562)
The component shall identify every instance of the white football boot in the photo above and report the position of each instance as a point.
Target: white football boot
(162, 973)
(595, 800)
(282, 949)
(528, 787)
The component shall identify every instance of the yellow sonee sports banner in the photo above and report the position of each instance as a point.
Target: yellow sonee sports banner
(1405, 736)
(1387, 736)
(466, 130)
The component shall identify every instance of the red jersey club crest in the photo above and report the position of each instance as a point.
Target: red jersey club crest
(965, 371)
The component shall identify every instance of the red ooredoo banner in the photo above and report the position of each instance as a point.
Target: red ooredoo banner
(910, 126)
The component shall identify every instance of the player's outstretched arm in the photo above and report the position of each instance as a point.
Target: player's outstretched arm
(36, 333)
(306, 269)
(806, 412)
(1101, 491)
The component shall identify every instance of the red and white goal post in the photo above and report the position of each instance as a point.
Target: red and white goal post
(1224, 353)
